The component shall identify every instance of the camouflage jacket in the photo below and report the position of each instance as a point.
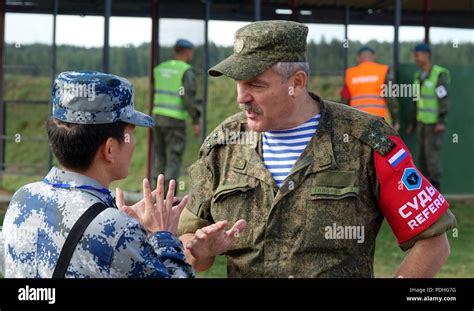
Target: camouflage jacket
(114, 245)
(332, 184)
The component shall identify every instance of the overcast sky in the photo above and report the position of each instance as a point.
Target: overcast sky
(88, 31)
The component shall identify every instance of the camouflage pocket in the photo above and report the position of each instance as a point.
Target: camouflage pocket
(321, 192)
(233, 202)
(333, 178)
(332, 200)
(329, 210)
(228, 190)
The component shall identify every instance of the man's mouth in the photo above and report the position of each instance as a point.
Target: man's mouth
(251, 115)
(250, 111)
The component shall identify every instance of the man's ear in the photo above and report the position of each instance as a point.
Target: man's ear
(109, 150)
(298, 82)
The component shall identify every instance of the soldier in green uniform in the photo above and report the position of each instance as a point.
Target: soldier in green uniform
(307, 196)
(174, 101)
(429, 113)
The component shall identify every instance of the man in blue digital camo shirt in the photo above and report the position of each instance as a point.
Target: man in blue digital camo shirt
(92, 134)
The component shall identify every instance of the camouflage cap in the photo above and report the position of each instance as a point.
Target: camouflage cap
(91, 97)
(259, 45)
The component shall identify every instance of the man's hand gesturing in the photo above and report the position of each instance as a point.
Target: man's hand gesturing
(213, 240)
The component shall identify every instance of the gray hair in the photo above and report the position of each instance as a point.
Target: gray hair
(287, 69)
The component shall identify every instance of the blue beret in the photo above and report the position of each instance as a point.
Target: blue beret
(184, 44)
(366, 48)
(91, 97)
(423, 47)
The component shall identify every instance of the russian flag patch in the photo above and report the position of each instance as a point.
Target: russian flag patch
(398, 157)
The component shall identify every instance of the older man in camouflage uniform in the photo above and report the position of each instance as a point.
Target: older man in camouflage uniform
(41, 215)
(322, 219)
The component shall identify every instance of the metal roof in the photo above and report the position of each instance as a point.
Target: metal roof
(454, 13)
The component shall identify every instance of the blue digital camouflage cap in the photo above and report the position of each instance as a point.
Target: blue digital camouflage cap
(91, 97)
(184, 44)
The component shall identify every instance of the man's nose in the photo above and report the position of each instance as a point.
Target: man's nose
(243, 94)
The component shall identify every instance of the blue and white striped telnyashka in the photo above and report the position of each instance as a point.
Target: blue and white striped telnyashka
(281, 149)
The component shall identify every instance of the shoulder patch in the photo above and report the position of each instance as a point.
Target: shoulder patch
(369, 129)
(376, 135)
(214, 139)
(218, 136)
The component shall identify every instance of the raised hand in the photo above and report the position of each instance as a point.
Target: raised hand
(161, 216)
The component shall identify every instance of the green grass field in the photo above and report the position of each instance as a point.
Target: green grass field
(29, 155)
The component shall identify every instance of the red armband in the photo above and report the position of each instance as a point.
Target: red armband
(407, 199)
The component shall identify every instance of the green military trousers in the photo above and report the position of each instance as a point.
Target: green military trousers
(429, 152)
(168, 149)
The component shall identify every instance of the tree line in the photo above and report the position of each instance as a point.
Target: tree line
(325, 57)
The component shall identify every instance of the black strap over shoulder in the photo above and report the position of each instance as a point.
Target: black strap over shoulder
(73, 238)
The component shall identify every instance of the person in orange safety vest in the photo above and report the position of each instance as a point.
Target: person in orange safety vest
(363, 88)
